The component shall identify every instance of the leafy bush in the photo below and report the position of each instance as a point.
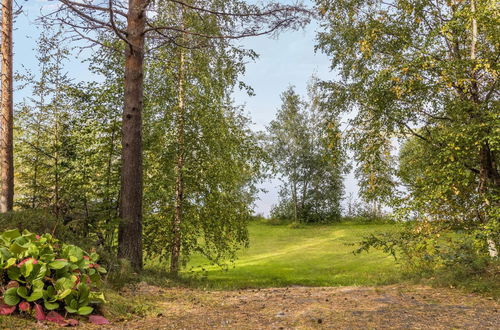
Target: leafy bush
(426, 249)
(38, 221)
(42, 221)
(40, 270)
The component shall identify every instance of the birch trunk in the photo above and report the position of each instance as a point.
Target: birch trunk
(488, 174)
(179, 178)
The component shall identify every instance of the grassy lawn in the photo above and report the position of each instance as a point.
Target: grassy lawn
(317, 255)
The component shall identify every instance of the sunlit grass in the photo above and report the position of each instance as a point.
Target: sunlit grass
(319, 255)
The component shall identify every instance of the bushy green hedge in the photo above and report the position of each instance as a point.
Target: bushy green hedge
(38, 221)
(39, 270)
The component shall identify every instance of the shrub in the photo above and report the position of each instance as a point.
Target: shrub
(426, 249)
(42, 221)
(39, 221)
(41, 271)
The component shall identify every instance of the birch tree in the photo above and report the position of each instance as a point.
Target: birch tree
(425, 70)
(132, 23)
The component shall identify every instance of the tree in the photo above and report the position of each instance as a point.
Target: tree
(6, 145)
(428, 70)
(307, 153)
(132, 24)
(201, 160)
(67, 142)
(42, 132)
(375, 168)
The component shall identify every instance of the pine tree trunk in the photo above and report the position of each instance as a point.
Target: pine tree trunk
(6, 152)
(130, 228)
(179, 179)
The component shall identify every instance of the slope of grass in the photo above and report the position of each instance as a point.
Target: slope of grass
(318, 255)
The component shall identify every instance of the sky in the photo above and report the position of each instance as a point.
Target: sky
(289, 59)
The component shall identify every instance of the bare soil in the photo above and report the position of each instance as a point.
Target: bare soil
(395, 307)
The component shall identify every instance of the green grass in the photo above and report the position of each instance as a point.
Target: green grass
(317, 255)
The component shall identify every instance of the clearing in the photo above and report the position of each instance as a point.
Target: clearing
(293, 278)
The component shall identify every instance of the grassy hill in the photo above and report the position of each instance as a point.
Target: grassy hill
(317, 255)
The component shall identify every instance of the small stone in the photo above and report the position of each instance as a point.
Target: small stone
(280, 314)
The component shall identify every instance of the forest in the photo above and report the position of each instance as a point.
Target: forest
(131, 189)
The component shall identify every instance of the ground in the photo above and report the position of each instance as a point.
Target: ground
(395, 306)
(293, 278)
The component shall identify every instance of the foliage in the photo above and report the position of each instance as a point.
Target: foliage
(67, 145)
(39, 221)
(40, 270)
(427, 250)
(424, 72)
(306, 151)
(361, 211)
(221, 156)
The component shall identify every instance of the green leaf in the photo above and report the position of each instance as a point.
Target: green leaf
(73, 304)
(97, 298)
(37, 285)
(58, 264)
(51, 305)
(73, 251)
(42, 271)
(70, 310)
(27, 268)
(10, 262)
(102, 270)
(10, 297)
(63, 283)
(64, 294)
(5, 253)
(22, 291)
(83, 291)
(11, 234)
(85, 310)
(14, 273)
(17, 249)
(35, 296)
(50, 294)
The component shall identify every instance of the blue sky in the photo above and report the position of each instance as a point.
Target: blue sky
(284, 61)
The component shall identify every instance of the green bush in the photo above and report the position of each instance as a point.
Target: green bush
(425, 249)
(72, 232)
(39, 221)
(40, 270)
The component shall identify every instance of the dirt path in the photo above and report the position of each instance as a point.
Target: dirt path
(399, 307)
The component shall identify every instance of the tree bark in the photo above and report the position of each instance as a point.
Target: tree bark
(294, 199)
(489, 178)
(6, 152)
(130, 228)
(179, 180)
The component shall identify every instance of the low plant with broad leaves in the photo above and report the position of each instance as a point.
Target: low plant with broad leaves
(41, 275)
